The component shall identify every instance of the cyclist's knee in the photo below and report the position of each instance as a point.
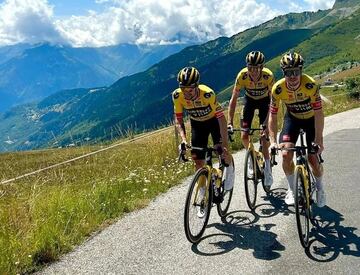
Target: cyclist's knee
(198, 163)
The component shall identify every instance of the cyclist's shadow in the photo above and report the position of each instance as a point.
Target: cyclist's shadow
(240, 231)
(329, 238)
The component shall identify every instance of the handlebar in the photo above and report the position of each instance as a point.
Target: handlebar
(273, 152)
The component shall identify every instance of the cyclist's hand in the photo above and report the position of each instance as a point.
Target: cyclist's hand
(319, 147)
(230, 129)
(226, 156)
(273, 148)
(182, 147)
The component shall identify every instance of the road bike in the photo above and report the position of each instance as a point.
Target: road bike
(207, 188)
(305, 187)
(254, 167)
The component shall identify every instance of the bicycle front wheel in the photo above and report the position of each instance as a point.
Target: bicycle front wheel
(250, 180)
(302, 210)
(226, 192)
(197, 206)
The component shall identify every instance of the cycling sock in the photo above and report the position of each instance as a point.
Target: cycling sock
(319, 184)
(291, 181)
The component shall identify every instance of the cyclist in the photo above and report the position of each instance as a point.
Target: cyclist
(257, 82)
(301, 96)
(206, 117)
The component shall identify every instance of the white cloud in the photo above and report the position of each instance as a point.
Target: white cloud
(153, 21)
(139, 21)
(315, 5)
(27, 21)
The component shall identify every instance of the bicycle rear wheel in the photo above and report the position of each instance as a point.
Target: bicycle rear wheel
(223, 207)
(197, 207)
(250, 180)
(302, 210)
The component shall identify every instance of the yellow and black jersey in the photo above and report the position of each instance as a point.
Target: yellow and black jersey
(255, 90)
(203, 108)
(300, 103)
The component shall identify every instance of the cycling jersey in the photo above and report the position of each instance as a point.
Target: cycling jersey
(203, 108)
(300, 103)
(255, 90)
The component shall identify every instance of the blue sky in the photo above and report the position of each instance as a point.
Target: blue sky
(98, 23)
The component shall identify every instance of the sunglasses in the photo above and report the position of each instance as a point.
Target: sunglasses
(187, 89)
(254, 68)
(290, 73)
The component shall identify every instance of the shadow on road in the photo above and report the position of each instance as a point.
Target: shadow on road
(239, 230)
(329, 237)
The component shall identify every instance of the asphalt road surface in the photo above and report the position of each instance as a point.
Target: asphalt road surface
(152, 240)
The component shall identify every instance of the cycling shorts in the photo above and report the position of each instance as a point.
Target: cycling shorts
(200, 131)
(250, 105)
(291, 129)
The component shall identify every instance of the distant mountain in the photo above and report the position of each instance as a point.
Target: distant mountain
(143, 100)
(29, 73)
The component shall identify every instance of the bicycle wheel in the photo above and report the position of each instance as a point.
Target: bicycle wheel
(197, 207)
(223, 207)
(250, 180)
(302, 211)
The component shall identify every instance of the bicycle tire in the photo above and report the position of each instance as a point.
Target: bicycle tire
(302, 212)
(191, 209)
(250, 182)
(223, 207)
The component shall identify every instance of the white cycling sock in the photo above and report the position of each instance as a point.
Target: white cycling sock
(319, 184)
(291, 181)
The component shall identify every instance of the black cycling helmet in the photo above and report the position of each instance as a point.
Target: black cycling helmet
(255, 58)
(188, 77)
(291, 60)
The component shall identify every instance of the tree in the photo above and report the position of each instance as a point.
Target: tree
(353, 87)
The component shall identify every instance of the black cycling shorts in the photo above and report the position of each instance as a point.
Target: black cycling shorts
(200, 131)
(291, 129)
(250, 105)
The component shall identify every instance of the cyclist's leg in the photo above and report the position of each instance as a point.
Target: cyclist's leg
(316, 167)
(263, 119)
(246, 120)
(288, 137)
(199, 137)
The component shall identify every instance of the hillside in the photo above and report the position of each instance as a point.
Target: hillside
(32, 72)
(143, 100)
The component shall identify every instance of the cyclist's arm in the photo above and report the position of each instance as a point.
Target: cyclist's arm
(232, 105)
(223, 132)
(319, 126)
(179, 122)
(178, 115)
(272, 127)
(273, 121)
(233, 100)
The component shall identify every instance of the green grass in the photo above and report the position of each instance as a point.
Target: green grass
(46, 215)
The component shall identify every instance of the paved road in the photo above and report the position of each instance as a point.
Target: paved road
(152, 241)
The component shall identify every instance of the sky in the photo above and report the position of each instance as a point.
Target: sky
(96, 23)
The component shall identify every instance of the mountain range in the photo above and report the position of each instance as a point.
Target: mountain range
(33, 72)
(143, 100)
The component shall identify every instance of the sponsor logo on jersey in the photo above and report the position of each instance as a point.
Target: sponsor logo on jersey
(300, 107)
(200, 112)
(309, 85)
(278, 90)
(176, 95)
(207, 94)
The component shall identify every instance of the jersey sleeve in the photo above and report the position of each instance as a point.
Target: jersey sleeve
(239, 81)
(178, 107)
(215, 105)
(315, 97)
(275, 98)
